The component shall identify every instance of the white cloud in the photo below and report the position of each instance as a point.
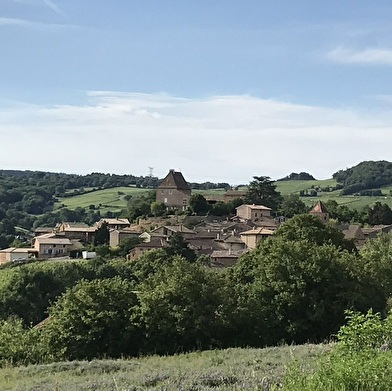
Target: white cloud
(15, 22)
(376, 56)
(53, 7)
(218, 138)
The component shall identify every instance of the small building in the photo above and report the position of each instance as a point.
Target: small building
(353, 232)
(14, 254)
(174, 191)
(253, 236)
(320, 211)
(117, 235)
(167, 231)
(51, 245)
(113, 223)
(79, 231)
(224, 258)
(252, 213)
(152, 244)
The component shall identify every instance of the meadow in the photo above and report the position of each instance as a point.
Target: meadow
(115, 199)
(229, 369)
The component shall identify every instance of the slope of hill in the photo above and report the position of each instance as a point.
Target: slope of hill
(365, 175)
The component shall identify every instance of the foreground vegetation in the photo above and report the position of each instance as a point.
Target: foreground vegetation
(359, 360)
(229, 369)
(293, 288)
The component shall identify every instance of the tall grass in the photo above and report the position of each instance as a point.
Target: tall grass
(230, 369)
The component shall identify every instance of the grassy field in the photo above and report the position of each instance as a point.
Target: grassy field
(104, 200)
(353, 202)
(114, 200)
(230, 369)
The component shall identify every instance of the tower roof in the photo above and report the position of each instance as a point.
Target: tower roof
(174, 180)
(319, 207)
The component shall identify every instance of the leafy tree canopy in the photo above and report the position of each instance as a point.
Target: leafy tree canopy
(262, 191)
(365, 175)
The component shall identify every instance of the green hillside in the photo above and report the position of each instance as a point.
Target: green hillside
(352, 201)
(114, 199)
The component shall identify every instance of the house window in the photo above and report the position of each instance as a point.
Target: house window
(165, 200)
(184, 201)
(162, 191)
(171, 191)
(54, 245)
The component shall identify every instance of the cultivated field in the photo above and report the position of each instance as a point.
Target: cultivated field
(230, 369)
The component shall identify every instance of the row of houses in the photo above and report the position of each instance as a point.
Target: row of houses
(223, 240)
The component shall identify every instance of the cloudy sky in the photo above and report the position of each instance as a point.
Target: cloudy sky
(219, 89)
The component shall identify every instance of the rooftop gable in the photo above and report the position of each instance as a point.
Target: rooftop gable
(174, 180)
(319, 207)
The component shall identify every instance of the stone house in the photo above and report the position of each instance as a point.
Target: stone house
(113, 223)
(252, 213)
(14, 254)
(51, 245)
(253, 236)
(79, 231)
(174, 191)
(117, 235)
(166, 231)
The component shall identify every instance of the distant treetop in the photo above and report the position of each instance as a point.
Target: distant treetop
(302, 176)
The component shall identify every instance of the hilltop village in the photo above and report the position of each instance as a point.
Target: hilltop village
(223, 240)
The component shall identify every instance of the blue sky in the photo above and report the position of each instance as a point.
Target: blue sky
(221, 90)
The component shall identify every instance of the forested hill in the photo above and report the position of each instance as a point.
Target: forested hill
(365, 175)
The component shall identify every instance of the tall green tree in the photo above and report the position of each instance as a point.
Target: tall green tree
(101, 236)
(379, 214)
(198, 204)
(298, 290)
(311, 228)
(182, 307)
(94, 319)
(262, 191)
(292, 205)
(179, 246)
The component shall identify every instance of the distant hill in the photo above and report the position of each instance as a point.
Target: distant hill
(302, 176)
(364, 176)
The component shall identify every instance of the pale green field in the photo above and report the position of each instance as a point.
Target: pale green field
(351, 201)
(294, 187)
(110, 199)
(107, 199)
(229, 369)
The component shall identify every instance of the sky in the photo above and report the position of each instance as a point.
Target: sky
(221, 90)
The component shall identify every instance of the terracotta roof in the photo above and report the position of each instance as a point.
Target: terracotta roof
(258, 231)
(16, 250)
(174, 180)
(319, 208)
(47, 240)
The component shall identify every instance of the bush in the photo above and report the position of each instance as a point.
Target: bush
(359, 361)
